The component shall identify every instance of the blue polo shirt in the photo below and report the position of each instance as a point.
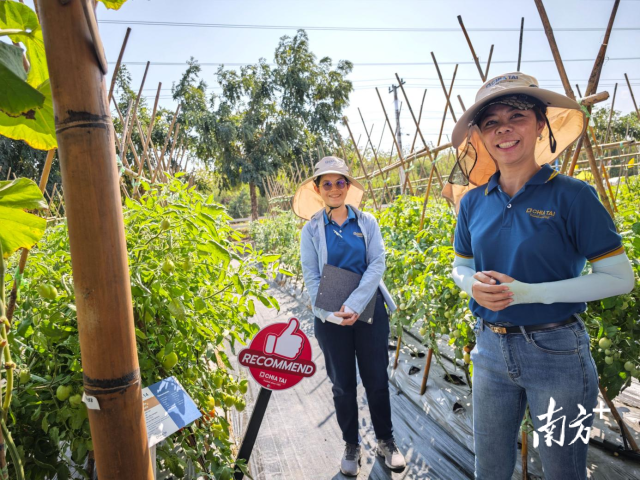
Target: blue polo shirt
(345, 244)
(545, 233)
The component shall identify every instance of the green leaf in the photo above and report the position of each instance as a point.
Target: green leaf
(36, 128)
(113, 4)
(19, 228)
(217, 250)
(14, 15)
(17, 97)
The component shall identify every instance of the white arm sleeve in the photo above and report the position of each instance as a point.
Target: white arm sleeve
(463, 272)
(610, 276)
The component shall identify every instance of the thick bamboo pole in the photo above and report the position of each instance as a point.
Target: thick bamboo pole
(98, 249)
(427, 369)
(117, 68)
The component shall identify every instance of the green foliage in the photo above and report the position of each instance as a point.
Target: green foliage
(616, 318)
(280, 235)
(189, 313)
(27, 114)
(19, 228)
(113, 4)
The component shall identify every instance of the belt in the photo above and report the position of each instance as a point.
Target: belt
(527, 328)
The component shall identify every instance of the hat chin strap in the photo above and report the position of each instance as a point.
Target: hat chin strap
(552, 139)
(331, 209)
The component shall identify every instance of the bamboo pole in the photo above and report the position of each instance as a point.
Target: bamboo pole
(152, 120)
(486, 71)
(375, 156)
(415, 137)
(444, 89)
(427, 368)
(525, 455)
(473, 52)
(633, 99)
(137, 102)
(407, 180)
(398, 346)
(123, 137)
(464, 109)
(98, 247)
(444, 116)
(364, 169)
(520, 44)
(117, 68)
(591, 88)
(618, 418)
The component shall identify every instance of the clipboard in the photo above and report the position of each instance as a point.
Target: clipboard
(336, 284)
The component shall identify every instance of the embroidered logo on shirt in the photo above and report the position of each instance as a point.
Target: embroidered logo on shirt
(542, 214)
(358, 234)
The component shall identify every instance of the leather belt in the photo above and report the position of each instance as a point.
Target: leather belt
(527, 328)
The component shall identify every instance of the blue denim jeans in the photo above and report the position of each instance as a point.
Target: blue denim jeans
(366, 344)
(511, 370)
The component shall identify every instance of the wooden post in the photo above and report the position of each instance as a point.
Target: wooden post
(117, 67)
(520, 44)
(427, 368)
(473, 52)
(98, 247)
(633, 99)
(364, 169)
(525, 455)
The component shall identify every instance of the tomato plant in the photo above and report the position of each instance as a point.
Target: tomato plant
(280, 235)
(184, 318)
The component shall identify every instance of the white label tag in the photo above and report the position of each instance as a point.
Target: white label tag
(90, 402)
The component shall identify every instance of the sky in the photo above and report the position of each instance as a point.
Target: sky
(578, 25)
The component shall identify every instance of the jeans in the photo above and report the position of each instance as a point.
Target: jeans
(511, 370)
(366, 344)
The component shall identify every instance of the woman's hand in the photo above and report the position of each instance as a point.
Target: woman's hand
(349, 318)
(488, 294)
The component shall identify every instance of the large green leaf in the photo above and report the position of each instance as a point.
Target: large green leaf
(19, 228)
(16, 16)
(113, 4)
(16, 95)
(37, 128)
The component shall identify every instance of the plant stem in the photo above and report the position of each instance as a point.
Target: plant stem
(13, 451)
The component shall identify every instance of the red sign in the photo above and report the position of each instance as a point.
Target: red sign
(279, 356)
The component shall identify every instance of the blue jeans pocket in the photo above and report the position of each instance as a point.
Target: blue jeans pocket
(558, 341)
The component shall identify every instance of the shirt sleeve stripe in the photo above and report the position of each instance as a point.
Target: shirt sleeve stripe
(463, 256)
(616, 251)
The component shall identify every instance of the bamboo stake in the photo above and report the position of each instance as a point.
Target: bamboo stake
(525, 455)
(117, 68)
(633, 99)
(173, 146)
(591, 88)
(407, 180)
(486, 71)
(169, 132)
(444, 116)
(98, 247)
(137, 102)
(152, 120)
(464, 109)
(444, 89)
(426, 196)
(520, 44)
(398, 345)
(375, 155)
(618, 418)
(415, 137)
(473, 52)
(125, 126)
(364, 169)
(427, 368)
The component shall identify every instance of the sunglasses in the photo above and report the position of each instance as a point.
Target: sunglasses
(340, 185)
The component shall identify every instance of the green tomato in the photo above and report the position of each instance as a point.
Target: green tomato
(467, 358)
(459, 354)
(604, 342)
(170, 361)
(456, 333)
(226, 474)
(447, 314)
(75, 400)
(165, 224)
(229, 401)
(192, 373)
(25, 376)
(187, 265)
(463, 294)
(63, 392)
(608, 360)
(47, 291)
(244, 386)
(210, 403)
(629, 366)
(423, 331)
(608, 352)
(168, 266)
(240, 404)
(443, 330)
(217, 381)
(160, 354)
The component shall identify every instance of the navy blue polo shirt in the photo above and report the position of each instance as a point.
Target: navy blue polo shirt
(544, 233)
(345, 244)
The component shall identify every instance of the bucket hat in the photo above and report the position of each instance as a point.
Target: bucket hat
(306, 202)
(565, 120)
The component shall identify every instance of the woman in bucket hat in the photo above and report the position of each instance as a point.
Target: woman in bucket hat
(339, 234)
(521, 242)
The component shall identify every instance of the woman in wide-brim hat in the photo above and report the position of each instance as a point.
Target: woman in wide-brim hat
(521, 242)
(340, 234)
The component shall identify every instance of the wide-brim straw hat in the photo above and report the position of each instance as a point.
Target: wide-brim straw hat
(306, 202)
(566, 119)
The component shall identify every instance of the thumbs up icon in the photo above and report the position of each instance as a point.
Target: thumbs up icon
(288, 344)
